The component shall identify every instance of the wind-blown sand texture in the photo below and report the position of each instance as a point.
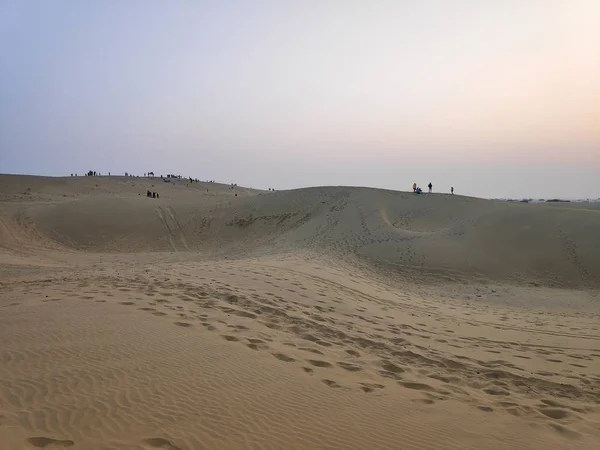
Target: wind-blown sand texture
(321, 318)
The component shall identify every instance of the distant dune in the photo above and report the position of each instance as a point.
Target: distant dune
(452, 237)
(220, 317)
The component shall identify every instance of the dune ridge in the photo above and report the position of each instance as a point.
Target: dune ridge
(319, 318)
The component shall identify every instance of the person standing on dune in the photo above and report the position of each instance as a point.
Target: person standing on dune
(452, 190)
(430, 186)
(414, 187)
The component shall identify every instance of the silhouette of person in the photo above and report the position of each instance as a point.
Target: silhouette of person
(452, 190)
(430, 186)
(414, 187)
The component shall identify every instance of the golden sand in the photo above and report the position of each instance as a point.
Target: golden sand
(322, 318)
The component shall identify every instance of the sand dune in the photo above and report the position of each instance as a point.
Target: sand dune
(330, 317)
(440, 234)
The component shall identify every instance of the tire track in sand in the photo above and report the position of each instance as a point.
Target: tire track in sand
(160, 213)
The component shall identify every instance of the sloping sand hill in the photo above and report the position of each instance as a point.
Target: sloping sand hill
(320, 318)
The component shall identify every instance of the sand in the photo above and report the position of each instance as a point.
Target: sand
(321, 318)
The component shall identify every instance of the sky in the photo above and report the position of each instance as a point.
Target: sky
(497, 98)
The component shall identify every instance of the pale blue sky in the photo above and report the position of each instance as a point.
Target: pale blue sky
(495, 97)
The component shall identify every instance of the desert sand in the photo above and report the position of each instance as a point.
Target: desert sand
(320, 318)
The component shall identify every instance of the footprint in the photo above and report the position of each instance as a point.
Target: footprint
(393, 372)
(311, 350)
(43, 442)
(319, 363)
(161, 443)
(370, 387)
(331, 383)
(230, 338)
(416, 386)
(283, 357)
(350, 367)
(308, 370)
(253, 347)
(554, 413)
(424, 401)
(495, 391)
(353, 353)
(443, 378)
(245, 314)
(146, 309)
(485, 408)
(126, 303)
(545, 373)
(183, 324)
(310, 337)
(391, 367)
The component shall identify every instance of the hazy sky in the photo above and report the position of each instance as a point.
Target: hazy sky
(495, 97)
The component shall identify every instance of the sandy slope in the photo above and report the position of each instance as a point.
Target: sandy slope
(317, 318)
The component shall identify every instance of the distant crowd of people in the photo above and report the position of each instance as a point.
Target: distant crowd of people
(91, 173)
(418, 190)
(170, 176)
(166, 178)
